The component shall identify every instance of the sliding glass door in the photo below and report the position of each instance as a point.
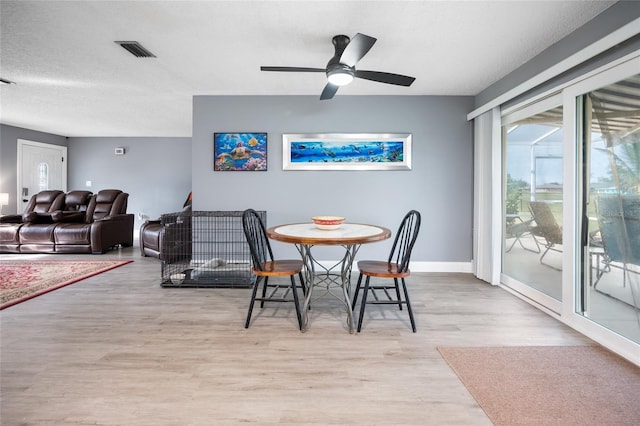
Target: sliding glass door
(571, 203)
(609, 133)
(532, 201)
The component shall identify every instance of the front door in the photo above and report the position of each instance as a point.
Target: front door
(40, 166)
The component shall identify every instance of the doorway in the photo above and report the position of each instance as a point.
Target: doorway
(40, 167)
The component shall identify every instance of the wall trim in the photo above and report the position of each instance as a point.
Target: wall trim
(464, 267)
(460, 267)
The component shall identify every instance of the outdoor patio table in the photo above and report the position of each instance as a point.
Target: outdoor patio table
(350, 236)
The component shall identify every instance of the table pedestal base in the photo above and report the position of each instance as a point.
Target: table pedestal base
(327, 278)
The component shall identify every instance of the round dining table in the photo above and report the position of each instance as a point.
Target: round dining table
(350, 236)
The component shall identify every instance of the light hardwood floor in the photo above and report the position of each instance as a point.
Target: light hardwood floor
(117, 349)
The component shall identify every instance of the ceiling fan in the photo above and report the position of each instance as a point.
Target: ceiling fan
(341, 69)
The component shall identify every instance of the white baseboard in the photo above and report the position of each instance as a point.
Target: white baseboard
(440, 267)
(464, 267)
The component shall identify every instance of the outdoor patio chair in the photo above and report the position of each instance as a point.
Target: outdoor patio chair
(396, 267)
(546, 227)
(265, 267)
(619, 223)
(519, 228)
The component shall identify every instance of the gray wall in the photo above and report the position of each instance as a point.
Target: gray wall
(156, 172)
(9, 136)
(439, 185)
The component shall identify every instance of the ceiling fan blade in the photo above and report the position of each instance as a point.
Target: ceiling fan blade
(386, 77)
(329, 91)
(359, 45)
(292, 69)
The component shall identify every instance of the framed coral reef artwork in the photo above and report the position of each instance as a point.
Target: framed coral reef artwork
(240, 152)
(346, 151)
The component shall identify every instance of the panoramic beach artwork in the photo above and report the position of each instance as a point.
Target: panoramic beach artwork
(356, 152)
(347, 152)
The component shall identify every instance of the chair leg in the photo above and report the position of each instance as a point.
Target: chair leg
(296, 302)
(253, 299)
(548, 248)
(406, 296)
(535, 240)
(516, 239)
(600, 271)
(264, 291)
(365, 291)
(395, 281)
(355, 294)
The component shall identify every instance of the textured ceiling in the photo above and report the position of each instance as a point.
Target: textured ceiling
(73, 80)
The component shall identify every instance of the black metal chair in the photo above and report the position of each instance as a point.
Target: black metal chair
(264, 267)
(396, 267)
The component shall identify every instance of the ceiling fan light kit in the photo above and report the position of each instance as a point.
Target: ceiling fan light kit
(340, 75)
(341, 68)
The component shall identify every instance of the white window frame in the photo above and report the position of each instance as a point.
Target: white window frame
(607, 75)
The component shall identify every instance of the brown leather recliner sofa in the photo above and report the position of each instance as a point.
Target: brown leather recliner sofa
(168, 238)
(76, 222)
(38, 209)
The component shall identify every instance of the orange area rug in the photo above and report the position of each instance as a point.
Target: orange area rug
(549, 385)
(22, 280)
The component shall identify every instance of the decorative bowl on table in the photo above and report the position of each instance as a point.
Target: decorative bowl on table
(177, 278)
(328, 223)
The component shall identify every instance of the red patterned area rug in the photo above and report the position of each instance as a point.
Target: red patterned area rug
(22, 280)
(549, 385)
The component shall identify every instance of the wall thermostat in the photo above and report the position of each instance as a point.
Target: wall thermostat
(119, 151)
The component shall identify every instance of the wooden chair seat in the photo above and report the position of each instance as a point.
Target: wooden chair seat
(279, 268)
(376, 268)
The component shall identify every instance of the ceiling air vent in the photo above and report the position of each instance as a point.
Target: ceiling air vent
(136, 49)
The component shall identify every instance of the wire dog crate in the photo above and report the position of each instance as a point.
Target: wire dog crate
(208, 249)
